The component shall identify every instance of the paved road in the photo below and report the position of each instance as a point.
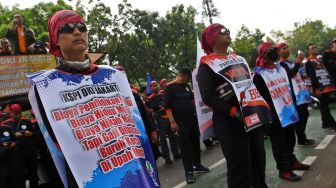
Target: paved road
(322, 173)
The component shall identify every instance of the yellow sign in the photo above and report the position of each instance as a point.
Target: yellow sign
(14, 71)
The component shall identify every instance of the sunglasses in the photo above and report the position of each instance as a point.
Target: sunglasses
(225, 31)
(70, 27)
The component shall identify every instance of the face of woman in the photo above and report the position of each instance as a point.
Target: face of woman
(223, 39)
(72, 38)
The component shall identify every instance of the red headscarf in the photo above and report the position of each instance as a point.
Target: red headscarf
(281, 45)
(261, 53)
(15, 108)
(55, 21)
(209, 35)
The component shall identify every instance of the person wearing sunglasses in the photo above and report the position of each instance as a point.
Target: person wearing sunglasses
(95, 88)
(21, 37)
(239, 147)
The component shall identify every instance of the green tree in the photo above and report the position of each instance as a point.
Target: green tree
(35, 18)
(310, 32)
(246, 44)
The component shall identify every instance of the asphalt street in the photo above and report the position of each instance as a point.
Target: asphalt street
(322, 159)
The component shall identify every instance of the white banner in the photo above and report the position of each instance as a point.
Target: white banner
(278, 86)
(98, 127)
(204, 113)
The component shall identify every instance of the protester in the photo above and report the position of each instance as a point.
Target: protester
(163, 84)
(5, 47)
(281, 131)
(181, 111)
(301, 93)
(329, 60)
(244, 152)
(24, 133)
(10, 176)
(322, 85)
(156, 102)
(68, 41)
(20, 37)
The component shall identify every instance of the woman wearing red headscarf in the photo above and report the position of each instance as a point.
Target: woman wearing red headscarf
(96, 88)
(244, 151)
(273, 84)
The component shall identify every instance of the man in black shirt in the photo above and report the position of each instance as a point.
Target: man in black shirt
(24, 132)
(9, 160)
(329, 60)
(156, 102)
(181, 111)
(322, 85)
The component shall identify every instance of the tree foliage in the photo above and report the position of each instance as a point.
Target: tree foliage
(209, 10)
(310, 32)
(144, 42)
(246, 44)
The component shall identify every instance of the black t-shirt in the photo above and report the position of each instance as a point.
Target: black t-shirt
(156, 102)
(178, 98)
(22, 125)
(6, 138)
(329, 60)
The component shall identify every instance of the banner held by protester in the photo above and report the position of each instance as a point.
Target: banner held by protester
(13, 71)
(235, 70)
(279, 88)
(98, 127)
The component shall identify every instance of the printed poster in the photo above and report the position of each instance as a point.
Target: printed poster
(278, 85)
(98, 128)
(235, 70)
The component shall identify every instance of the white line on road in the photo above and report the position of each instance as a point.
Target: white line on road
(217, 164)
(211, 168)
(325, 142)
(308, 161)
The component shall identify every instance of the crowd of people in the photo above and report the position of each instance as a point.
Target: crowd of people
(169, 111)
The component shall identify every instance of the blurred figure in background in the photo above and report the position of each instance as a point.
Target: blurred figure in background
(5, 47)
(21, 38)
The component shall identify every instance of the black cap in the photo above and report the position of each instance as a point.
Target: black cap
(333, 40)
(185, 71)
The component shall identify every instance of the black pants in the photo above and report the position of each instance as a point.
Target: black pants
(164, 131)
(10, 176)
(244, 152)
(189, 142)
(283, 142)
(327, 118)
(300, 126)
(28, 164)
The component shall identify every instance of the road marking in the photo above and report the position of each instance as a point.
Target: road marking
(184, 183)
(308, 161)
(325, 142)
(217, 164)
